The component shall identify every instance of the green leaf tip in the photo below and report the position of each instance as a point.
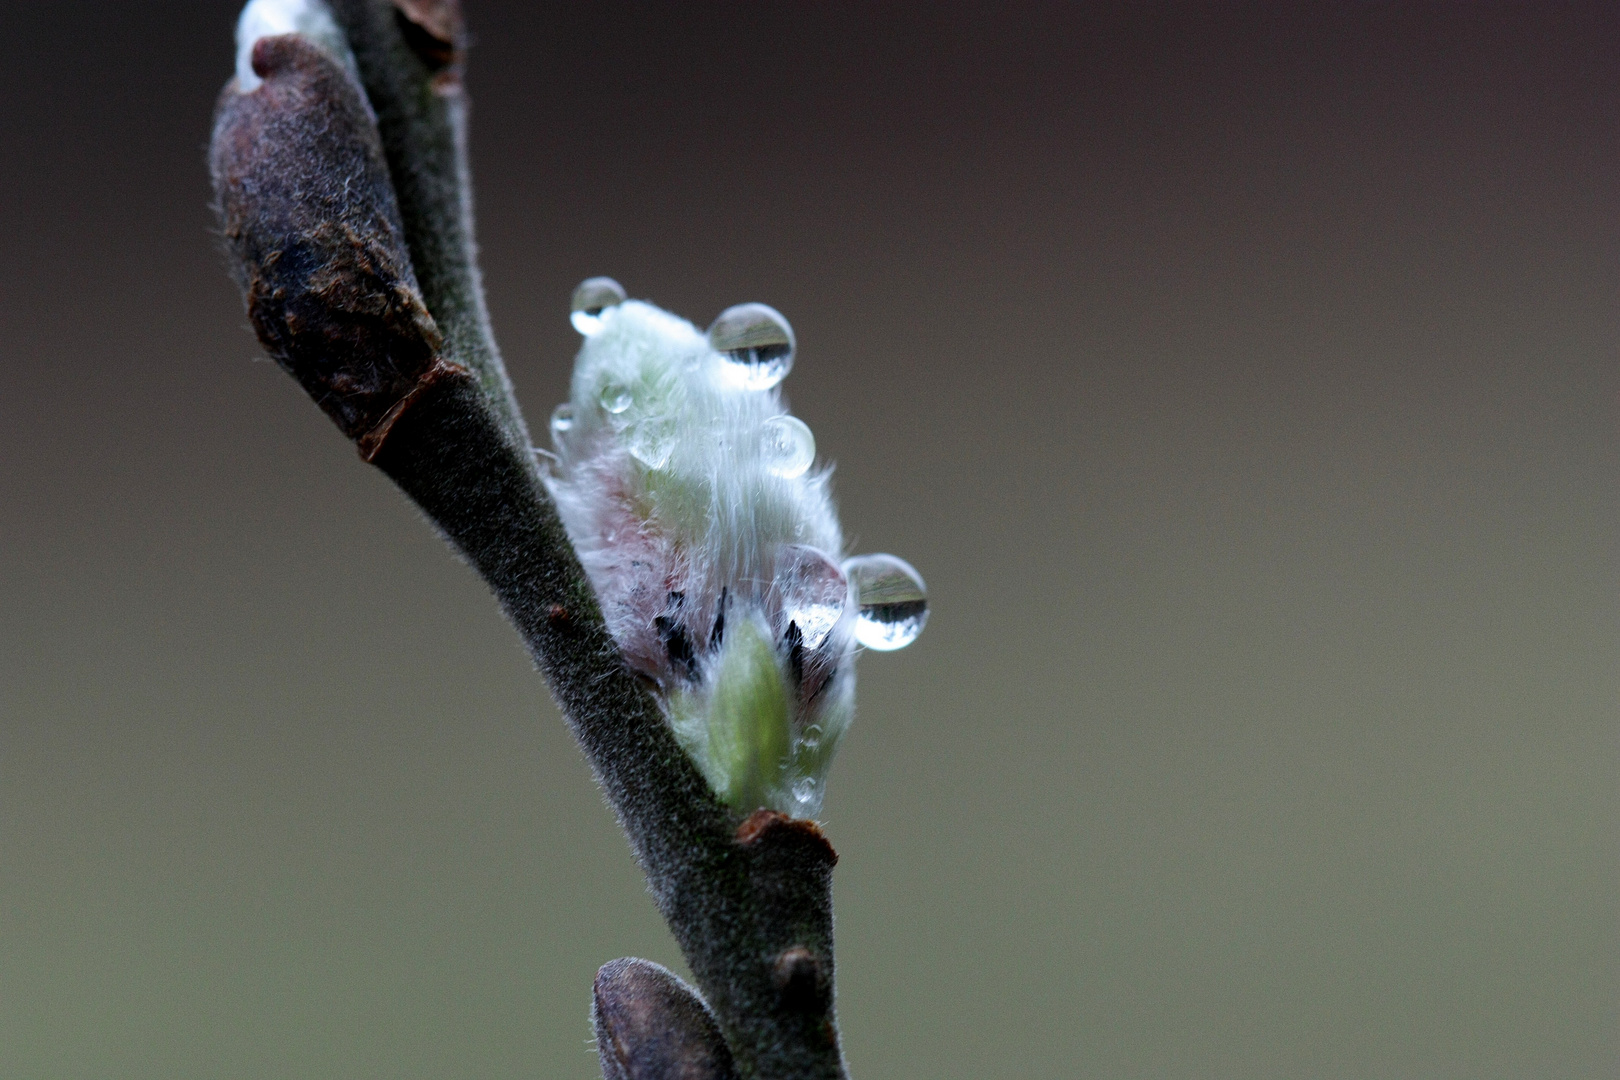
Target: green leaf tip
(739, 733)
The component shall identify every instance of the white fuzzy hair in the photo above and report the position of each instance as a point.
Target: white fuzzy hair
(682, 520)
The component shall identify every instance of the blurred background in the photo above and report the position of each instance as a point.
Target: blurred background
(1243, 379)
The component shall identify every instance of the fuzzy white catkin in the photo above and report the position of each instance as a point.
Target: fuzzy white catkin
(687, 496)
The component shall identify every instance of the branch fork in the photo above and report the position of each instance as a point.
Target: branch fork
(346, 213)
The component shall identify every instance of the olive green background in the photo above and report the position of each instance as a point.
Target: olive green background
(1243, 380)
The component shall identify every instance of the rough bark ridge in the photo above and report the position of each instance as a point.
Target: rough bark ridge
(347, 217)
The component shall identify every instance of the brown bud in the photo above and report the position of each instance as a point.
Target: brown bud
(309, 215)
(800, 980)
(652, 1026)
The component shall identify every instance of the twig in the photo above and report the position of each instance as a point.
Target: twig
(348, 219)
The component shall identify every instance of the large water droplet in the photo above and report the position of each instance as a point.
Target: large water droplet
(615, 397)
(594, 296)
(813, 592)
(757, 344)
(788, 446)
(562, 420)
(804, 789)
(893, 601)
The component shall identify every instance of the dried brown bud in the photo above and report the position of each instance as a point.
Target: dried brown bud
(309, 214)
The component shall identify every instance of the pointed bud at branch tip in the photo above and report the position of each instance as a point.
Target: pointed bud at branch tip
(310, 219)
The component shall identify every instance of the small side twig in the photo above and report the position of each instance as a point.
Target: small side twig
(347, 215)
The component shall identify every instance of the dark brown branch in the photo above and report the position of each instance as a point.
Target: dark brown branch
(352, 240)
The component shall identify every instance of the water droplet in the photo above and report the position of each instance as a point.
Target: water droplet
(594, 296)
(804, 789)
(813, 592)
(615, 398)
(893, 600)
(547, 463)
(652, 442)
(757, 344)
(562, 420)
(788, 446)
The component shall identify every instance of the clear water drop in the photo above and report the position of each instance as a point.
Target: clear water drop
(546, 462)
(813, 591)
(757, 344)
(652, 442)
(615, 398)
(593, 297)
(788, 446)
(804, 789)
(562, 420)
(893, 601)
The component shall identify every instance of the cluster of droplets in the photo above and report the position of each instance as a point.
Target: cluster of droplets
(702, 518)
(757, 347)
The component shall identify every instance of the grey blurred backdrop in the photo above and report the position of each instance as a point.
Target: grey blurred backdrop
(1243, 379)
